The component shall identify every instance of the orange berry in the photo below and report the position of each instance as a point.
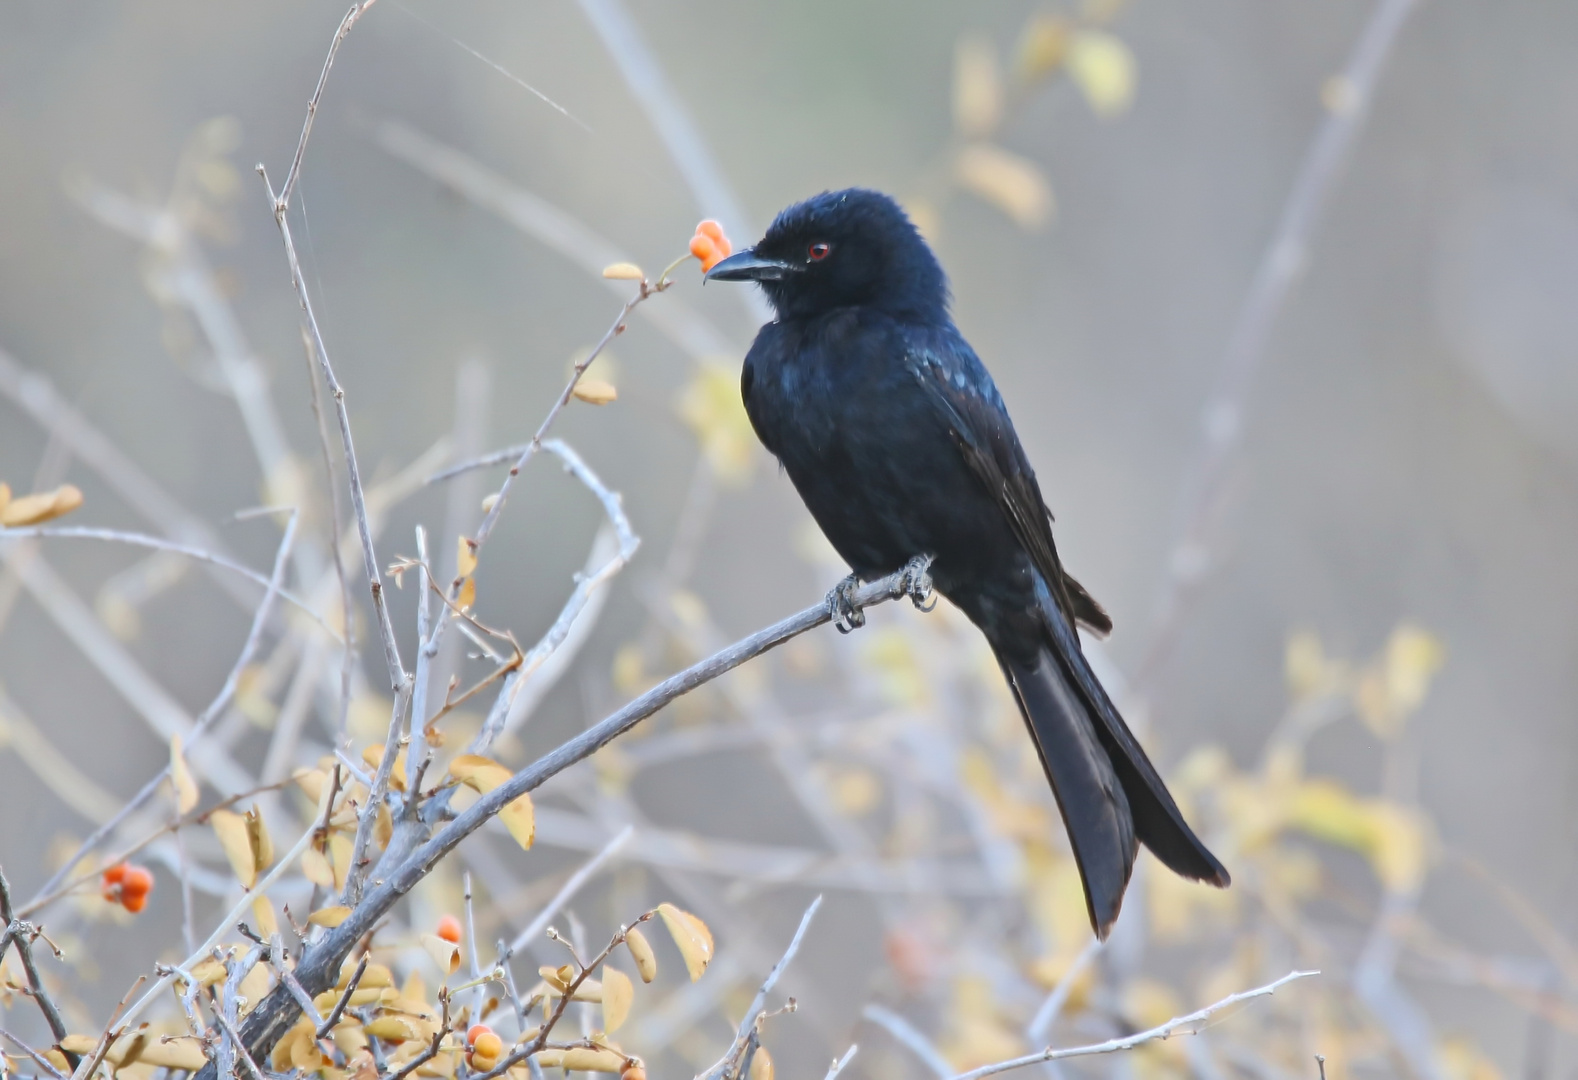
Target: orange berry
(487, 1049)
(713, 229)
(633, 1071)
(134, 902)
(116, 874)
(137, 882)
(704, 247)
(449, 930)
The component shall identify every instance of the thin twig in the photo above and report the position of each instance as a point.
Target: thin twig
(1047, 1014)
(119, 536)
(206, 718)
(345, 999)
(839, 1064)
(1179, 1025)
(581, 876)
(42, 1061)
(909, 1037)
(22, 934)
(356, 12)
(1281, 266)
(750, 1024)
(316, 970)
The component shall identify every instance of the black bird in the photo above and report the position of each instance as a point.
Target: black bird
(895, 436)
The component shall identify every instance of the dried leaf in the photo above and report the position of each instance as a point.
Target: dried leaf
(1043, 46)
(1103, 68)
(258, 837)
(618, 995)
(253, 989)
(446, 954)
(373, 756)
(236, 841)
(623, 271)
(40, 507)
(595, 391)
(583, 1059)
(482, 775)
(330, 916)
(762, 1065)
(393, 1027)
(1014, 185)
(641, 952)
(186, 793)
(465, 556)
(266, 922)
(691, 937)
(466, 599)
(977, 88)
(315, 867)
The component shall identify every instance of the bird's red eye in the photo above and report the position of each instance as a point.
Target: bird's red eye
(818, 252)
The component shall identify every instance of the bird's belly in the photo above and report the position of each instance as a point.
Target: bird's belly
(881, 498)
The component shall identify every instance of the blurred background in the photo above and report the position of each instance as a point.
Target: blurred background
(1281, 296)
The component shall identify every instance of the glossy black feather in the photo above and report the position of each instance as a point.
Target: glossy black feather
(897, 439)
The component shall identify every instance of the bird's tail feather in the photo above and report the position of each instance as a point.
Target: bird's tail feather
(1089, 793)
(1109, 793)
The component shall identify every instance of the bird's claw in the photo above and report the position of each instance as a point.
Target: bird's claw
(916, 583)
(841, 603)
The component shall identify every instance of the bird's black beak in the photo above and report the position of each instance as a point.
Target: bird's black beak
(749, 266)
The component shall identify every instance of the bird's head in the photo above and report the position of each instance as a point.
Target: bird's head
(843, 249)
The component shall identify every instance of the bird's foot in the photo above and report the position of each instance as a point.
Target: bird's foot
(841, 604)
(917, 583)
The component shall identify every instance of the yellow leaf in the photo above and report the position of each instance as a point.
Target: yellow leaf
(393, 1027)
(315, 867)
(181, 778)
(312, 782)
(340, 847)
(253, 989)
(482, 775)
(762, 1065)
(465, 557)
(595, 391)
(1014, 185)
(691, 937)
(5, 498)
(1413, 656)
(1103, 68)
(258, 837)
(618, 994)
(208, 972)
(710, 404)
(267, 923)
(583, 1059)
(330, 916)
(467, 598)
(362, 995)
(445, 953)
(1043, 46)
(236, 841)
(641, 952)
(39, 507)
(373, 756)
(977, 88)
(623, 271)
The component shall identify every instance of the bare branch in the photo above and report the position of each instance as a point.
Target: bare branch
(731, 1066)
(911, 1038)
(22, 934)
(356, 12)
(582, 875)
(1179, 1025)
(215, 707)
(1047, 1014)
(319, 966)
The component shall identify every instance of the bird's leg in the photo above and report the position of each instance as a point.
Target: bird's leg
(917, 582)
(841, 603)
